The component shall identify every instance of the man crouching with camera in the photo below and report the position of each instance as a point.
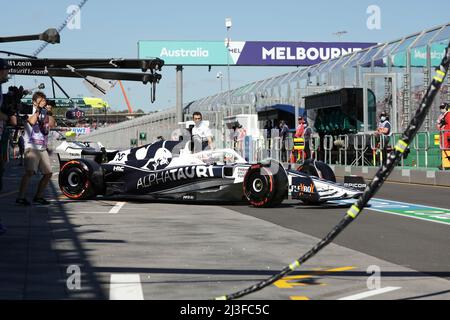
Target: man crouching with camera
(37, 128)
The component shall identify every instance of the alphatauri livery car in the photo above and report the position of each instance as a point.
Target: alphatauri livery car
(168, 170)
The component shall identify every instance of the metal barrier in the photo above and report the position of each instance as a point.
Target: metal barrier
(344, 149)
(443, 135)
(374, 145)
(315, 144)
(444, 145)
(328, 146)
(425, 149)
(360, 149)
(377, 145)
(393, 140)
(276, 148)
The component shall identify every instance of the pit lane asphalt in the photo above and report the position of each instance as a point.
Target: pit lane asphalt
(420, 245)
(201, 251)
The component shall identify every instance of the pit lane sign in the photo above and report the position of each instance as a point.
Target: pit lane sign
(246, 53)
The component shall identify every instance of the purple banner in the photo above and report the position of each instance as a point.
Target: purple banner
(262, 53)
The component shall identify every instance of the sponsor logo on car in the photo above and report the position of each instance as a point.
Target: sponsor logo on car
(118, 169)
(178, 174)
(302, 188)
(241, 172)
(355, 185)
(161, 159)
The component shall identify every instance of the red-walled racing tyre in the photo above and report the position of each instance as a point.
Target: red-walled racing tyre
(76, 179)
(265, 185)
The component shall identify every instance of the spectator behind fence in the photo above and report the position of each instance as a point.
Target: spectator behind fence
(297, 154)
(37, 128)
(384, 131)
(284, 131)
(443, 125)
(268, 129)
(307, 134)
(300, 128)
(239, 137)
(268, 135)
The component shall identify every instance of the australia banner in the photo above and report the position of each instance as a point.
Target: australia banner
(246, 53)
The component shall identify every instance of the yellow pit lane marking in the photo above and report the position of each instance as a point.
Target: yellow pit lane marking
(304, 298)
(290, 282)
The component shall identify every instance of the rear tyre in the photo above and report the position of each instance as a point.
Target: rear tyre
(265, 186)
(75, 180)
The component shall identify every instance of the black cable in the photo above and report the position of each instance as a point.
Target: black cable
(382, 174)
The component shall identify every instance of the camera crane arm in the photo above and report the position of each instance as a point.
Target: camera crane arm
(81, 68)
(50, 36)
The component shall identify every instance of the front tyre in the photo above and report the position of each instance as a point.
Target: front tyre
(265, 185)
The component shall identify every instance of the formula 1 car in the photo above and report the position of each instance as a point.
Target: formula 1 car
(169, 170)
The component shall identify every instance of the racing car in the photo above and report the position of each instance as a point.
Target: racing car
(170, 170)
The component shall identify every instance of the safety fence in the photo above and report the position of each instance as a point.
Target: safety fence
(426, 151)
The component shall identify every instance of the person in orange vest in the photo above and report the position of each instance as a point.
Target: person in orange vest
(443, 125)
(300, 128)
(299, 133)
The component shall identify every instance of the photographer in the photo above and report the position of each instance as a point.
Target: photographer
(37, 128)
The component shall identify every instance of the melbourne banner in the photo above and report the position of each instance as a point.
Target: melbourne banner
(246, 53)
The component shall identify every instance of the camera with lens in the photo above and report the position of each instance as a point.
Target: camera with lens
(12, 104)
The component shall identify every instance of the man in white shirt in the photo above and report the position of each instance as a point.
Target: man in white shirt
(201, 134)
(37, 128)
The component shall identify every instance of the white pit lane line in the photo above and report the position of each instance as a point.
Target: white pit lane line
(117, 207)
(370, 293)
(125, 287)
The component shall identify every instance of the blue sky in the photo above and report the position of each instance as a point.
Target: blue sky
(113, 28)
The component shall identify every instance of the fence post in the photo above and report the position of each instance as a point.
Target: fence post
(359, 148)
(328, 145)
(345, 138)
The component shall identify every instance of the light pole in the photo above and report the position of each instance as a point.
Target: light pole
(228, 25)
(220, 77)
